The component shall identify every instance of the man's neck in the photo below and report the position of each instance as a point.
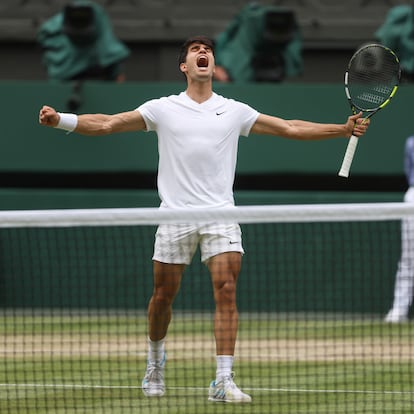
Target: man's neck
(199, 92)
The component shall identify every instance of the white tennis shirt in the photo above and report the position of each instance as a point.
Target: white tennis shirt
(197, 146)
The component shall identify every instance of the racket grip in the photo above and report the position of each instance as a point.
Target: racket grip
(349, 156)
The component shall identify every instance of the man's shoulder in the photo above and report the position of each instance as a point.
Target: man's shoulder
(161, 101)
(175, 97)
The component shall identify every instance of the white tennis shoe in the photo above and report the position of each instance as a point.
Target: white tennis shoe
(225, 390)
(396, 315)
(153, 383)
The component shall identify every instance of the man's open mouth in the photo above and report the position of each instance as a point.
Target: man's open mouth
(202, 61)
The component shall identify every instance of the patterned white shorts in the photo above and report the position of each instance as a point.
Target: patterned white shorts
(177, 243)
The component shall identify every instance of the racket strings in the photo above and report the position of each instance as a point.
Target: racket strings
(372, 75)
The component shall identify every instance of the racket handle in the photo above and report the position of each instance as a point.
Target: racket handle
(349, 156)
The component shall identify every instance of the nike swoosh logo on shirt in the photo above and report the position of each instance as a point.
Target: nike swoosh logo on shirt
(220, 113)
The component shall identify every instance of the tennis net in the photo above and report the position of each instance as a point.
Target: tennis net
(315, 285)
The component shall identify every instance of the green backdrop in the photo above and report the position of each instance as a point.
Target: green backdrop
(26, 146)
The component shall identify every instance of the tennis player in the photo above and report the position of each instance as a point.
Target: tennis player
(198, 133)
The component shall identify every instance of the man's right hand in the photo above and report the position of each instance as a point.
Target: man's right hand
(48, 116)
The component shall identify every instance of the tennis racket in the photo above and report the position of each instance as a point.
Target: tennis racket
(371, 80)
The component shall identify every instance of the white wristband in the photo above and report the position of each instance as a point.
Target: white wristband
(67, 122)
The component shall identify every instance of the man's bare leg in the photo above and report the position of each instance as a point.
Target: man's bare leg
(167, 280)
(225, 269)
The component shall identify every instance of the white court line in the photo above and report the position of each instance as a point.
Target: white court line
(276, 390)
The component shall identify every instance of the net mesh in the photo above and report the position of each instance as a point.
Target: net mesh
(315, 285)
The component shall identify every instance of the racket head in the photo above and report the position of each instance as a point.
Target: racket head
(372, 77)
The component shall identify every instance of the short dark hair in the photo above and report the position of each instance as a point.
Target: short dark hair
(204, 40)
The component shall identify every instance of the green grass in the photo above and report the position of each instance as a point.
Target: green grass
(72, 383)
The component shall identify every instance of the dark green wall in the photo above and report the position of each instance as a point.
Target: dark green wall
(40, 199)
(25, 146)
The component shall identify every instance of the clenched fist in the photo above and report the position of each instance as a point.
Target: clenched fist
(48, 116)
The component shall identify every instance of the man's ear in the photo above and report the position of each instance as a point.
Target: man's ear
(183, 67)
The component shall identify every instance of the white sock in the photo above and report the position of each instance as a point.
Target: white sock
(224, 366)
(156, 350)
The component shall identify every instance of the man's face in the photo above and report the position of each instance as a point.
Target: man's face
(199, 62)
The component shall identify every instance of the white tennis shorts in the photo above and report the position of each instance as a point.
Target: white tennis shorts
(177, 243)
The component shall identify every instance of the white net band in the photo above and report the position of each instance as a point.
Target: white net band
(240, 214)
